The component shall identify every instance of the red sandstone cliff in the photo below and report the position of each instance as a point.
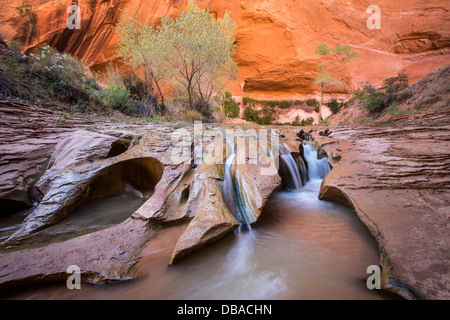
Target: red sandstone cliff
(275, 39)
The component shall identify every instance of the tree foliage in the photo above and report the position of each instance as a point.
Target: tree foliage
(193, 52)
(334, 106)
(25, 10)
(330, 57)
(231, 107)
(261, 117)
(141, 48)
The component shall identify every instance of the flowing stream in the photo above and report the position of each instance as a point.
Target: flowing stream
(301, 248)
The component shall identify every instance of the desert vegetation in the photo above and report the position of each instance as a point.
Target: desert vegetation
(175, 70)
(375, 100)
(190, 56)
(331, 57)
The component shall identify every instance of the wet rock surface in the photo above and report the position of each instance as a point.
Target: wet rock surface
(28, 138)
(103, 256)
(212, 219)
(80, 168)
(397, 180)
(255, 182)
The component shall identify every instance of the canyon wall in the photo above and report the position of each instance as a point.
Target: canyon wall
(275, 39)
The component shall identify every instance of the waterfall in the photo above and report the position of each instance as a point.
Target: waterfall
(230, 188)
(293, 169)
(303, 170)
(317, 168)
(296, 169)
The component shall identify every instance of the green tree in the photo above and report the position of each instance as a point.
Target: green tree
(331, 57)
(141, 48)
(198, 51)
(394, 85)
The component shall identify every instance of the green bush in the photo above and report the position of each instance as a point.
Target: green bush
(285, 104)
(255, 116)
(10, 76)
(266, 120)
(46, 75)
(249, 101)
(251, 115)
(394, 89)
(305, 122)
(62, 77)
(359, 93)
(393, 85)
(404, 95)
(312, 102)
(116, 95)
(281, 104)
(11, 60)
(296, 122)
(376, 101)
(308, 122)
(394, 110)
(231, 107)
(271, 104)
(334, 106)
(54, 78)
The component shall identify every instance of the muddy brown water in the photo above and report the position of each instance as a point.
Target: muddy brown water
(95, 215)
(301, 248)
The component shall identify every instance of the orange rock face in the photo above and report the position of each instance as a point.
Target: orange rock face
(275, 40)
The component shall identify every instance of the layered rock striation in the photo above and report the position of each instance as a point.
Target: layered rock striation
(275, 40)
(397, 181)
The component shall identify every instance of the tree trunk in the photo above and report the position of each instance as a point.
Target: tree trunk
(160, 94)
(321, 104)
(190, 95)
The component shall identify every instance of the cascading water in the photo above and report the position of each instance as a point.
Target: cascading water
(317, 168)
(298, 171)
(293, 169)
(301, 248)
(230, 188)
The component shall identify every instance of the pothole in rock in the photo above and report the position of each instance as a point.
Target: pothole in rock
(92, 216)
(118, 147)
(112, 197)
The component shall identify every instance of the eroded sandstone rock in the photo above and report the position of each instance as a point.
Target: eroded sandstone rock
(103, 256)
(87, 173)
(69, 188)
(397, 180)
(212, 218)
(83, 146)
(255, 182)
(275, 40)
(28, 139)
